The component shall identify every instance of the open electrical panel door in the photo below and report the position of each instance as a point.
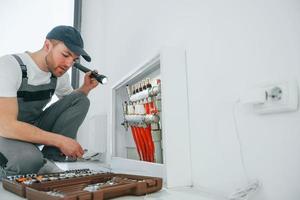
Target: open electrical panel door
(149, 116)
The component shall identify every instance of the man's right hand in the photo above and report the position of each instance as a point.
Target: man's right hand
(11, 128)
(70, 147)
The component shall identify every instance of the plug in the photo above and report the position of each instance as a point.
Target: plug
(254, 96)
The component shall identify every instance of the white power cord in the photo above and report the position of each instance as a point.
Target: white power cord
(239, 138)
(246, 192)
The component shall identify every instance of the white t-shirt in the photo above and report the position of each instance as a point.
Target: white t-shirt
(11, 76)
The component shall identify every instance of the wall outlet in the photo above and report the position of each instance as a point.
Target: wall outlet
(280, 97)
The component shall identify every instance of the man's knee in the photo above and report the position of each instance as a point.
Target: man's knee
(28, 162)
(82, 102)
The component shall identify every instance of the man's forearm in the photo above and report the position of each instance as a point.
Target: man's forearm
(83, 89)
(26, 132)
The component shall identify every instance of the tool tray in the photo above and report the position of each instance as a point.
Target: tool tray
(80, 185)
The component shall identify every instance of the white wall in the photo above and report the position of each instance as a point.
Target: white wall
(25, 24)
(231, 45)
(94, 44)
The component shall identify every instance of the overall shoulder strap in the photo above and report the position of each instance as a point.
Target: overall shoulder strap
(22, 65)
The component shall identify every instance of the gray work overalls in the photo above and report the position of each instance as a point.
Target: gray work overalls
(32, 99)
(63, 117)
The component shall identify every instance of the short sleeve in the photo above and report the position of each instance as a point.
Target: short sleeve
(10, 76)
(63, 86)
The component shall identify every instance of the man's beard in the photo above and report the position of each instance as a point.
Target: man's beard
(49, 65)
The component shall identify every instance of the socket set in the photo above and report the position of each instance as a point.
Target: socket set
(82, 184)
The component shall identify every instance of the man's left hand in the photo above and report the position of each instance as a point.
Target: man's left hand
(89, 83)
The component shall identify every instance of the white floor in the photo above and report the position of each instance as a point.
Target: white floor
(164, 194)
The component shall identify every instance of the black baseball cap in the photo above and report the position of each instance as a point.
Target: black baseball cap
(71, 38)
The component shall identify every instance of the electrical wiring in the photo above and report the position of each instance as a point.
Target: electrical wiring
(148, 107)
(136, 142)
(141, 142)
(239, 139)
(246, 192)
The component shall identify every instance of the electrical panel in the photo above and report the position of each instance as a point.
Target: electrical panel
(149, 120)
(139, 125)
(142, 117)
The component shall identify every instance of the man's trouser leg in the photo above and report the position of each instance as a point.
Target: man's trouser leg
(22, 157)
(63, 117)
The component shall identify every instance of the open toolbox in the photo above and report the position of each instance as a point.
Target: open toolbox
(82, 184)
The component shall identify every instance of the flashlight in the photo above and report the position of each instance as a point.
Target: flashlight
(99, 77)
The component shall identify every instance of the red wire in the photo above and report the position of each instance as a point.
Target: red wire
(146, 143)
(141, 142)
(149, 136)
(136, 141)
(150, 143)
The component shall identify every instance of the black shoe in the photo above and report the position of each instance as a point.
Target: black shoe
(2, 173)
(3, 162)
(54, 154)
(49, 167)
(65, 159)
(60, 158)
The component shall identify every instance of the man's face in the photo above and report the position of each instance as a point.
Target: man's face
(59, 59)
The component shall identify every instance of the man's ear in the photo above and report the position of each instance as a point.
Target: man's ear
(47, 45)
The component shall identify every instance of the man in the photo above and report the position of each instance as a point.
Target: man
(27, 83)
